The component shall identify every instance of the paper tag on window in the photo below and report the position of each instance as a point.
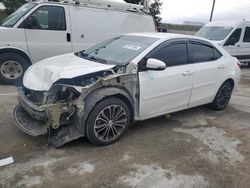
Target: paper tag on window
(132, 47)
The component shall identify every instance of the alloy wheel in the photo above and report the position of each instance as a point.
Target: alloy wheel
(224, 95)
(110, 123)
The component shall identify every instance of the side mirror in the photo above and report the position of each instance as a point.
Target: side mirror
(155, 64)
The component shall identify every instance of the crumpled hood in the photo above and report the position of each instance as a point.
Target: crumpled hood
(42, 75)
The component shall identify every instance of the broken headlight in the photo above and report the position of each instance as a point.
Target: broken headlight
(60, 93)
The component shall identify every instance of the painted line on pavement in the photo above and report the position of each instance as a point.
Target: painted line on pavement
(6, 94)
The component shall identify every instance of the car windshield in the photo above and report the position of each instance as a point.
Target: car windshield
(119, 51)
(214, 33)
(11, 20)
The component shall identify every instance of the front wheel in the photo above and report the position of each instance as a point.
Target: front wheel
(108, 121)
(12, 68)
(222, 97)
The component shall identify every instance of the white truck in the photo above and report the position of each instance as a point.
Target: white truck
(233, 36)
(41, 30)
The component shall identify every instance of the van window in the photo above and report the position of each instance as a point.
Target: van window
(11, 20)
(234, 38)
(214, 32)
(173, 55)
(202, 53)
(46, 18)
(247, 35)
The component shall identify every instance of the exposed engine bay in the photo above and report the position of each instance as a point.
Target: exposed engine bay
(63, 110)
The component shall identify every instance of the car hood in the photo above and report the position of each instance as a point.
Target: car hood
(42, 75)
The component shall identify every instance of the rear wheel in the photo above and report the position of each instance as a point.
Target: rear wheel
(222, 97)
(108, 121)
(12, 68)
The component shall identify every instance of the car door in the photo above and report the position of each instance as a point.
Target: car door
(233, 43)
(244, 48)
(47, 32)
(209, 71)
(167, 90)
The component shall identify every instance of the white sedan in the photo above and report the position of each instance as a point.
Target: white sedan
(98, 92)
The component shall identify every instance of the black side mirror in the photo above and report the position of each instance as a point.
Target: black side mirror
(31, 23)
(28, 23)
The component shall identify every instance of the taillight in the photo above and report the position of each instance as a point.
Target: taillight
(239, 64)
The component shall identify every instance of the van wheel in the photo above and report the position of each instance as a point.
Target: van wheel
(222, 97)
(248, 65)
(108, 121)
(12, 68)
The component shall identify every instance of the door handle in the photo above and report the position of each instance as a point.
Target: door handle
(187, 73)
(68, 37)
(238, 45)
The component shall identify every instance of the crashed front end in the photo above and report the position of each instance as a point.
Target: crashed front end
(39, 113)
(62, 111)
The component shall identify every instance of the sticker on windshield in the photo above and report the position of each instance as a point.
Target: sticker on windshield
(132, 47)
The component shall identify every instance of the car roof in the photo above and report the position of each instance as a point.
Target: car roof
(167, 36)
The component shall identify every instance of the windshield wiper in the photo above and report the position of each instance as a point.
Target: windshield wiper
(96, 59)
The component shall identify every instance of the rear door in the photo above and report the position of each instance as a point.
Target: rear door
(209, 71)
(48, 32)
(168, 90)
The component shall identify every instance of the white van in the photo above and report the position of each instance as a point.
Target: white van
(233, 36)
(44, 29)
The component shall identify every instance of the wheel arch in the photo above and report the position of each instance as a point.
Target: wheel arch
(231, 81)
(95, 97)
(17, 51)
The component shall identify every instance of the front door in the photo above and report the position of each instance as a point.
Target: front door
(244, 49)
(47, 32)
(168, 90)
(233, 43)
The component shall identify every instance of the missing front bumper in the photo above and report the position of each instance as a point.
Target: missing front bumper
(28, 124)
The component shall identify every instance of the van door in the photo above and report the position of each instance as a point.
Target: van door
(244, 47)
(47, 32)
(233, 43)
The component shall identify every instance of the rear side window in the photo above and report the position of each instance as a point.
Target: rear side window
(247, 35)
(173, 55)
(203, 53)
(46, 18)
(217, 54)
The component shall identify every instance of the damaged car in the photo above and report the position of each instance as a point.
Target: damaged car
(98, 92)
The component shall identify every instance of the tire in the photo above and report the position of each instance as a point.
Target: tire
(248, 65)
(103, 130)
(12, 68)
(222, 97)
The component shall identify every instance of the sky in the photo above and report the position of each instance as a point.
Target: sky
(178, 11)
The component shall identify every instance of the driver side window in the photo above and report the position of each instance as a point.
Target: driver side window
(234, 38)
(46, 18)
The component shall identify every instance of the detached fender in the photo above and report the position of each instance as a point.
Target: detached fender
(96, 96)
